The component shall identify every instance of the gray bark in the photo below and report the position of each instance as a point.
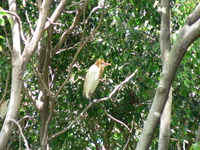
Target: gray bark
(165, 46)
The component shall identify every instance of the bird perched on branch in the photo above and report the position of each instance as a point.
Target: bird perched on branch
(93, 76)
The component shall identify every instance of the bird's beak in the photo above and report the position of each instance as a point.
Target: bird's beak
(106, 64)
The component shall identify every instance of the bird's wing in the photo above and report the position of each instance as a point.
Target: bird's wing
(91, 80)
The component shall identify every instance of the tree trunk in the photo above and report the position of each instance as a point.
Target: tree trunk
(165, 46)
(165, 122)
(16, 83)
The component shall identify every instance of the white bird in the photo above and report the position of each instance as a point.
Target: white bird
(93, 76)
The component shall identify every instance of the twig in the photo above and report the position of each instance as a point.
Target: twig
(95, 101)
(130, 135)
(28, 93)
(116, 120)
(20, 129)
(54, 17)
(62, 50)
(7, 40)
(71, 28)
(29, 23)
(119, 86)
(43, 82)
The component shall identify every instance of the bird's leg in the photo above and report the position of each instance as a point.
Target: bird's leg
(91, 97)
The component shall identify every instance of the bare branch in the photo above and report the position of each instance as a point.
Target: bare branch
(43, 82)
(62, 50)
(95, 101)
(20, 129)
(130, 136)
(54, 17)
(19, 22)
(116, 120)
(29, 23)
(121, 84)
(71, 28)
(30, 46)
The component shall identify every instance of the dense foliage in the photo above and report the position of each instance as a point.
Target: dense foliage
(128, 37)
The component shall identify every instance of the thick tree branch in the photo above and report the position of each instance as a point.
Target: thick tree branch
(16, 83)
(165, 46)
(186, 37)
(95, 101)
(194, 16)
(31, 46)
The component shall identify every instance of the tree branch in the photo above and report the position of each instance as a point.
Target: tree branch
(43, 82)
(165, 47)
(130, 136)
(20, 129)
(116, 120)
(31, 46)
(122, 83)
(194, 16)
(18, 21)
(54, 17)
(71, 28)
(95, 101)
(198, 135)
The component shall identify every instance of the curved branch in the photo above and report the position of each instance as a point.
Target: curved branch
(130, 136)
(121, 84)
(20, 129)
(54, 17)
(19, 22)
(116, 120)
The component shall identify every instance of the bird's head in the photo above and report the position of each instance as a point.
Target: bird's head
(101, 63)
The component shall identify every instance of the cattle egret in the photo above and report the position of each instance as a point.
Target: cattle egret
(93, 76)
